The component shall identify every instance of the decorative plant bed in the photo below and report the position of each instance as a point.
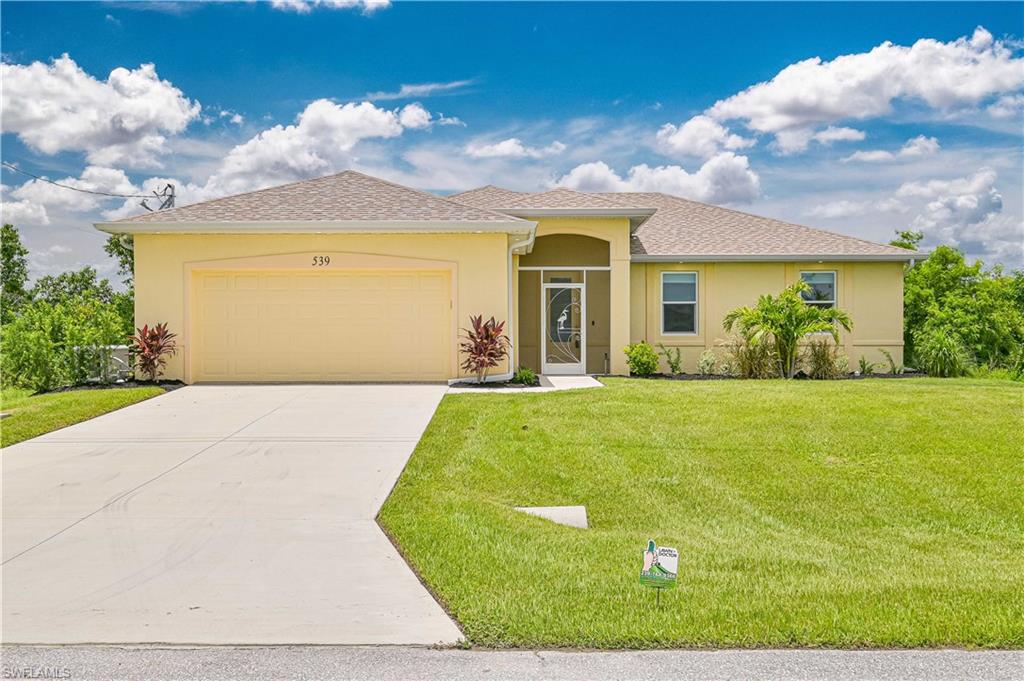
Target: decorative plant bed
(801, 376)
(689, 377)
(853, 377)
(493, 385)
(166, 385)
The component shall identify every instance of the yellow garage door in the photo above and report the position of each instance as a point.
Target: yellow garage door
(340, 325)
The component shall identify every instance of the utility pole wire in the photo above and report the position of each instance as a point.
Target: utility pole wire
(16, 169)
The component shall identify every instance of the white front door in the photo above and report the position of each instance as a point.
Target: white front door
(563, 331)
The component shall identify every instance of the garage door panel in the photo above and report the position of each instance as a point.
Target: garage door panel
(215, 283)
(323, 326)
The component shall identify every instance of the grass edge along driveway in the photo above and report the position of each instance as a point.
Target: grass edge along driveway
(873, 513)
(34, 415)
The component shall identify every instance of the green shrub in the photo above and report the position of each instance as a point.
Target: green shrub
(673, 357)
(706, 362)
(894, 368)
(865, 366)
(983, 306)
(986, 371)
(786, 320)
(822, 360)
(641, 358)
(525, 376)
(751, 359)
(53, 344)
(1017, 363)
(941, 353)
(30, 357)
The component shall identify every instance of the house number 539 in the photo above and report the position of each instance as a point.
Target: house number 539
(321, 260)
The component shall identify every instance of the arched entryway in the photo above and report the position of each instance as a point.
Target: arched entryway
(564, 305)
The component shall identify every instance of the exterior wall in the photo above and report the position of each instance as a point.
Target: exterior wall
(871, 292)
(614, 231)
(164, 264)
(528, 331)
(598, 322)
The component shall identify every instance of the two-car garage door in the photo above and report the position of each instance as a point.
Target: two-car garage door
(331, 325)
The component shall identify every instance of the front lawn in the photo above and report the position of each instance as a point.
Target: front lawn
(33, 415)
(845, 513)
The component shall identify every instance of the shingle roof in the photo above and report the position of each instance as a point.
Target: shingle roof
(680, 227)
(346, 196)
(683, 227)
(496, 198)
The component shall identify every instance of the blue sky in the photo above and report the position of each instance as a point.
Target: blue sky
(911, 118)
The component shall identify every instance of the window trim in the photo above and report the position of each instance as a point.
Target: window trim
(834, 303)
(696, 303)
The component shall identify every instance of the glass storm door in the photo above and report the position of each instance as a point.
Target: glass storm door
(563, 334)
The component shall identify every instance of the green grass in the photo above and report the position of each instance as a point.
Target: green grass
(33, 415)
(873, 513)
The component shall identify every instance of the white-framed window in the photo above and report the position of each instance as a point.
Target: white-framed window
(679, 302)
(823, 288)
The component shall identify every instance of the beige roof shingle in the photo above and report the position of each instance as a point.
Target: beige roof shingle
(496, 198)
(678, 228)
(684, 228)
(346, 196)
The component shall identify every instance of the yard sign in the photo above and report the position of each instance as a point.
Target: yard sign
(660, 566)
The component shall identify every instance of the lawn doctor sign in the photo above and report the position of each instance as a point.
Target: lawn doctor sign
(660, 567)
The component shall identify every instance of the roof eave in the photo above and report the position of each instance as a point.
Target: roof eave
(784, 257)
(515, 226)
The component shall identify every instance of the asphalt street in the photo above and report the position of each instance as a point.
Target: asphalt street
(410, 663)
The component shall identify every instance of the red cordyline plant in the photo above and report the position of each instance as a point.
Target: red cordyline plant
(484, 346)
(152, 346)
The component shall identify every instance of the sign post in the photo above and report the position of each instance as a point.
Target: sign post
(661, 564)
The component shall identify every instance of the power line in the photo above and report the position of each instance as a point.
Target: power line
(166, 196)
(16, 169)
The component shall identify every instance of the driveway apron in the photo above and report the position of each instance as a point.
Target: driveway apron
(218, 515)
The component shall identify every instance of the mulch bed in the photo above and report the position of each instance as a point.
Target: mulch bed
(492, 385)
(166, 385)
(800, 376)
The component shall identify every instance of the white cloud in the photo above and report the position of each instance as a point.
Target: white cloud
(797, 139)
(967, 212)
(307, 6)
(845, 208)
(700, 136)
(319, 142)
(232, 116)
(21, 213)
(408, 91)
(93, 178)
(833, 134)
(725, 178)
(322, 140)
(839, 209)
(450, 120)
(915, 147)
(1007, 106)
(920, 146)
(513, 147)
(811, 93)
(123, 120)
(414, 116)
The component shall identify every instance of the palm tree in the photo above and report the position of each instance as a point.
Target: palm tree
(786, 320)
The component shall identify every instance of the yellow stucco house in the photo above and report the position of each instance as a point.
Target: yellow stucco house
(352, 278)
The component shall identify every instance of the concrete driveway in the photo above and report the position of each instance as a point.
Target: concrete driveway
(218, 515)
